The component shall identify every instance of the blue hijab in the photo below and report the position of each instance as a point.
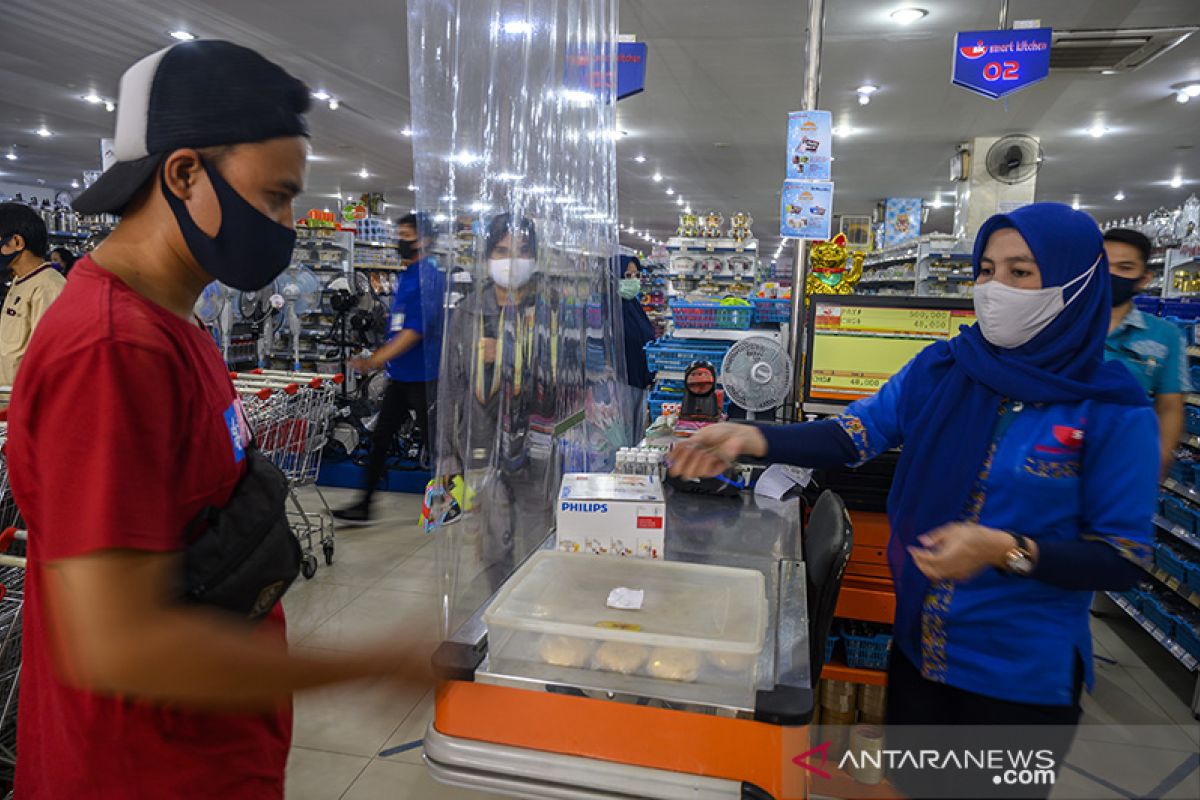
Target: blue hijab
(954, 389)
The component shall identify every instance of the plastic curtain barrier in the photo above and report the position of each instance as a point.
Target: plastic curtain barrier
(513, 120)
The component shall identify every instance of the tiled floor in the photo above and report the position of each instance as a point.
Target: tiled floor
(383, 581)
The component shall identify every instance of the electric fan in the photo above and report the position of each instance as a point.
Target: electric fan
(757, 374)
(1014, 158)
(301, 291)
(214, 307)
(256, 309)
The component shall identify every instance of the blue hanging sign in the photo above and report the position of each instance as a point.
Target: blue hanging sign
(806, 209)
(631, 68)
(592, 72)
(809, 142)
(998, 63)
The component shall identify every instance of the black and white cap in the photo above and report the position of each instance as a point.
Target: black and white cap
(193, 94)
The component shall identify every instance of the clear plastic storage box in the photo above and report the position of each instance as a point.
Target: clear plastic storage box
(698, 634)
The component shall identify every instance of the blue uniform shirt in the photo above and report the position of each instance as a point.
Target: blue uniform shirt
(1153, 350)
(1084, 470)
(417, 306)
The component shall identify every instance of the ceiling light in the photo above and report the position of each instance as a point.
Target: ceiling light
(412, 187)
(515, 27)
(93, 98)
(577, 97)
(321, 95)
(1192, 90)
(440, 218)
(639, 158)
(43, 132)
(688, 210)
(842, 130)
(867, 88)
(908, 15)
(464, 158)
(406, 131)
(362, 173)
(479, 206)
(1182, 97)
(110, 106)
(1176, 182)
(11, 155)
(1097, 130)
(937, 201)
(679, 200)
(183, 36)
(670, 191)
(74, 184)
(334, 105)
(1119, 196)
(657, 177)
(863, 99)
(1075, 204)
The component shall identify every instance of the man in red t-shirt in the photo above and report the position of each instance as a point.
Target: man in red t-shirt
(124, 426)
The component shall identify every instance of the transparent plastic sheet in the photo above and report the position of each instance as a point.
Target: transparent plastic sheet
(514, 155)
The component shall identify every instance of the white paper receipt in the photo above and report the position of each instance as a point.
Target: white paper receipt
(626, 599)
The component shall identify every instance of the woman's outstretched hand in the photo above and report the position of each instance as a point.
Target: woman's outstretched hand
(710, 451)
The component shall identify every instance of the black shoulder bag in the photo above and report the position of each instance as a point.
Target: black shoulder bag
(246, 556)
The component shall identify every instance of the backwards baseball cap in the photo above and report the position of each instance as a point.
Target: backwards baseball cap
(193, 94)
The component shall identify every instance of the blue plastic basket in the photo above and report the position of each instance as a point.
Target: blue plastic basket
(771, 311)
(1188, 637)
(830, 643)
(1178, 512)
(1167, 560)
(1134, 597)
(676, 355)
(710, 315)
(1158, 614)
(1192, 570)
(867, 652)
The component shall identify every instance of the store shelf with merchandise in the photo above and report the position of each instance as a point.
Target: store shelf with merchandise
(932, 266)
(719, 294)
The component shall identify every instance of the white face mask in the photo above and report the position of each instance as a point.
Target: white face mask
(1010, 317)
(511, 273)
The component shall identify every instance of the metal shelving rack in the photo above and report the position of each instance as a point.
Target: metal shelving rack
(929, 267)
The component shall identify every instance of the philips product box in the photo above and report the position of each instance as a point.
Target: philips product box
(624, 515)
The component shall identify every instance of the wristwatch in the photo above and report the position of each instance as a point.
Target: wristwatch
(1019, 558)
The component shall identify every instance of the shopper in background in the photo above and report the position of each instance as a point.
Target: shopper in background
(411, 357)
(1026, 481)
(484, 433)
(127, 692)
(63, 259)
(638, 332)
(35, 283)
(1152, 348)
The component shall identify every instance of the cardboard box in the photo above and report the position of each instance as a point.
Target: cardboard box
(605, 514)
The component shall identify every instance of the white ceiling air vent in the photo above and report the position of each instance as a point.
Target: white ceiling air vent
(1122, 50)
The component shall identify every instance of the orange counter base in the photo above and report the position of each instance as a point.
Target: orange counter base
(693, 744)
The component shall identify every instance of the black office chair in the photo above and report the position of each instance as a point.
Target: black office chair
(828, 538)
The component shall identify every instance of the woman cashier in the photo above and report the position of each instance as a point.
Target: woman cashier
(1026, 481)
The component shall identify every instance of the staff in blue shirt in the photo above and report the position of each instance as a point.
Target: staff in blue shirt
(411, 357)
(1027, 480)
(1152, 348)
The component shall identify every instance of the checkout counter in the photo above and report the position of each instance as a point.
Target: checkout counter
(543, 738)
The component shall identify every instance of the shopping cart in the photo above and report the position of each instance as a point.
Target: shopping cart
(12, 595)
(290, 415)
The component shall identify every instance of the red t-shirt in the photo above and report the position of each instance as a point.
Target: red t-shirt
(119, 434)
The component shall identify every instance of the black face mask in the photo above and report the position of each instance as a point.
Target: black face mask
(408, 250)
(1123, 289)
(6, 259)
(249, 250)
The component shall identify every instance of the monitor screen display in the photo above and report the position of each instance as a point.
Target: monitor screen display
(855, 344)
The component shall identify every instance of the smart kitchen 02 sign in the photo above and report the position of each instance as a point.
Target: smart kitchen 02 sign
(998, 63)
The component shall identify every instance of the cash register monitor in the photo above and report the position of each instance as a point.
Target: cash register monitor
(855, 344)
